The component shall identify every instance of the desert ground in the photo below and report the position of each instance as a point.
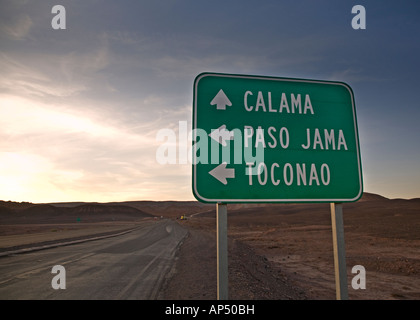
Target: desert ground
(276, 251)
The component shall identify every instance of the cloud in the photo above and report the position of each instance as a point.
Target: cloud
(43, 80)
(17, 28)
(70, 151)
(79, 157)
(83, 106)
(56, 73)
(354, 75)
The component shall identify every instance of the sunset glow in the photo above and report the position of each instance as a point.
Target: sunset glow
(81, 108)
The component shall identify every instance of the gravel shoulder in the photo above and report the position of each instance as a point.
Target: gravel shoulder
(251, 276)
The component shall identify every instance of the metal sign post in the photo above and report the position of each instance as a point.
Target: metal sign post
(222, 252)
(339, 251)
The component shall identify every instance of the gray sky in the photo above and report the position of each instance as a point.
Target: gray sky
(80, 108)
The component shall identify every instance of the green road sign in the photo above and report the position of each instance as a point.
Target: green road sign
(266, 139)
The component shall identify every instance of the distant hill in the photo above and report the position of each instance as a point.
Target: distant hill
(45, 213)
(372, 197)
(15, 205)
(27, 212)
(156, 208)
(101, 209)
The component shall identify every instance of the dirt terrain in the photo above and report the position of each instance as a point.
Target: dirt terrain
(276, 251)
(294, 246)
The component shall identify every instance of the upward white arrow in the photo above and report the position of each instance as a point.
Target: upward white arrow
(221, 100)
(221, 173)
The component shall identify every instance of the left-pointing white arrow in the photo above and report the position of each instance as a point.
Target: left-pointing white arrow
(221, 173)
(221, 135)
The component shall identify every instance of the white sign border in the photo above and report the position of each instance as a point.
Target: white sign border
(225, 75)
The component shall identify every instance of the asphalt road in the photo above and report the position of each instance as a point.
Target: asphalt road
(129, 266)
